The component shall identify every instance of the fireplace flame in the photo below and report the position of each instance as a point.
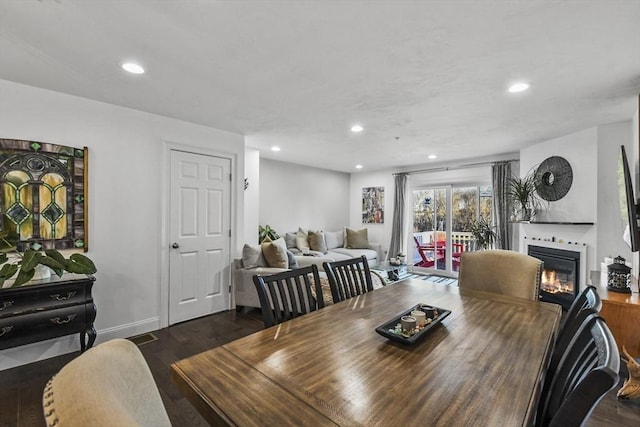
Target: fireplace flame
(551, 283)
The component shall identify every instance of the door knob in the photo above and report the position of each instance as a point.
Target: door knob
(175, 246)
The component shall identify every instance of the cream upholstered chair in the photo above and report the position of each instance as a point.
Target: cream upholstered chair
(502, 272)
(108, 385)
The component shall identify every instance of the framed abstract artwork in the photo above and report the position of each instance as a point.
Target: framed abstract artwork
(373, 205)
(43, 194)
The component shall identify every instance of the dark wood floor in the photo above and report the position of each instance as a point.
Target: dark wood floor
(21, 387)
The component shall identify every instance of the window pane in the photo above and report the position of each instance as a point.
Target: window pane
(465, 208)
(486, 203)
(423, 213)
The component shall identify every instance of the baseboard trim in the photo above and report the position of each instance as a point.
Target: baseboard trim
(29, 353)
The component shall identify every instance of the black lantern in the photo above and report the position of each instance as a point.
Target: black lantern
(619, 276)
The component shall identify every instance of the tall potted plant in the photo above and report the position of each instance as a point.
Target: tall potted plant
(484, 234)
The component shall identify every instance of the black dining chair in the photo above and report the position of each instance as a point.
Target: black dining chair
(348, 278)
(586, 304)
(586, 372)
(289, 294)
(566, 335)
(588, 299)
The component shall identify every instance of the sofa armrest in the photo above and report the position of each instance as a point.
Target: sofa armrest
(378, 248)
(244, 291)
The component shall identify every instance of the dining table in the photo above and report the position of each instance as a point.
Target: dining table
(482, 365)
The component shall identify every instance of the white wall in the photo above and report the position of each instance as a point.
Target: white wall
(125, 199)
(610, 226)
(377, 233)
(580, 150)
(580, 204)
(293, 196)
(251, 197)
(593, 197)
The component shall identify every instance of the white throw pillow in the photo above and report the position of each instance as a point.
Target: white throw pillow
(252, 257)
(334, 239)
(290, 239)
(302, 239)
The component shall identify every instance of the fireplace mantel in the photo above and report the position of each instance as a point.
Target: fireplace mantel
(554, 222)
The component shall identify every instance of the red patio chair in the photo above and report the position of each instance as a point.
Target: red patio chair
(426, 254)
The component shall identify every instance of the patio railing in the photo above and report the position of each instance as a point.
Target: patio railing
(464, 238)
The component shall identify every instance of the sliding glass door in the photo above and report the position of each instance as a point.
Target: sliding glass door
(429, 227)
(442, 222)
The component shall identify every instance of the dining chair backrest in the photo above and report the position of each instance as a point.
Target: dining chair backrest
(565, 337)
(502, 272)
(289, 294)
(348, 278)
(108, 385)
(588, 298)
(586, 372)
(586, 303)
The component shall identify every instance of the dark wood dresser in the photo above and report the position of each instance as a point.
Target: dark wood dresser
(48, 308)
(622, 314)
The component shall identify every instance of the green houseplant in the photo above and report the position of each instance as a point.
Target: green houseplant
(483, 233)
(23, 265)
(524, 197)
(266, 231)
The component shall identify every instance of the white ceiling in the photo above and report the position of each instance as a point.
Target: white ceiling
(422, 77)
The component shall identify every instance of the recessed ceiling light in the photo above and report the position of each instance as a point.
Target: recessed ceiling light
(432, 156)
(518, 87)
(275, 148)
(133, 68)
(356, 128)
(358, 166)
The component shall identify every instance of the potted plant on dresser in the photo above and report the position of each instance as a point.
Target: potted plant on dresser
(26, 265)
(36, 307)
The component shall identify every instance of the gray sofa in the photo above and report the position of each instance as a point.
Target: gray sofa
(244, 291)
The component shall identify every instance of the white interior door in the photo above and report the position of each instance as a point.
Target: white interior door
(200, 235)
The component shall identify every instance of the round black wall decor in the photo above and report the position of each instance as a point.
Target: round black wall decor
(554, 177)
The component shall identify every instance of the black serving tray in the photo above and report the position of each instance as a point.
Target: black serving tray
(391, 324)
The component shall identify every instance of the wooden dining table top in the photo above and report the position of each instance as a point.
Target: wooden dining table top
(482, 366)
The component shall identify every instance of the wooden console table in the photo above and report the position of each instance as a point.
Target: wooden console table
(622, 314)
(48, 308)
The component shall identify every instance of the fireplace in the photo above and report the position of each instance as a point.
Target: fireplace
(560, 281)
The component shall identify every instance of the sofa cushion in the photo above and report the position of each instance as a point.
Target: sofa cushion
(357, 239)
(334, 239)
(252, 257)
(302, 239)
(290, 239)
(336, 255)
(316, 241)
(292, 261)
(275, 252)
(353, 253)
